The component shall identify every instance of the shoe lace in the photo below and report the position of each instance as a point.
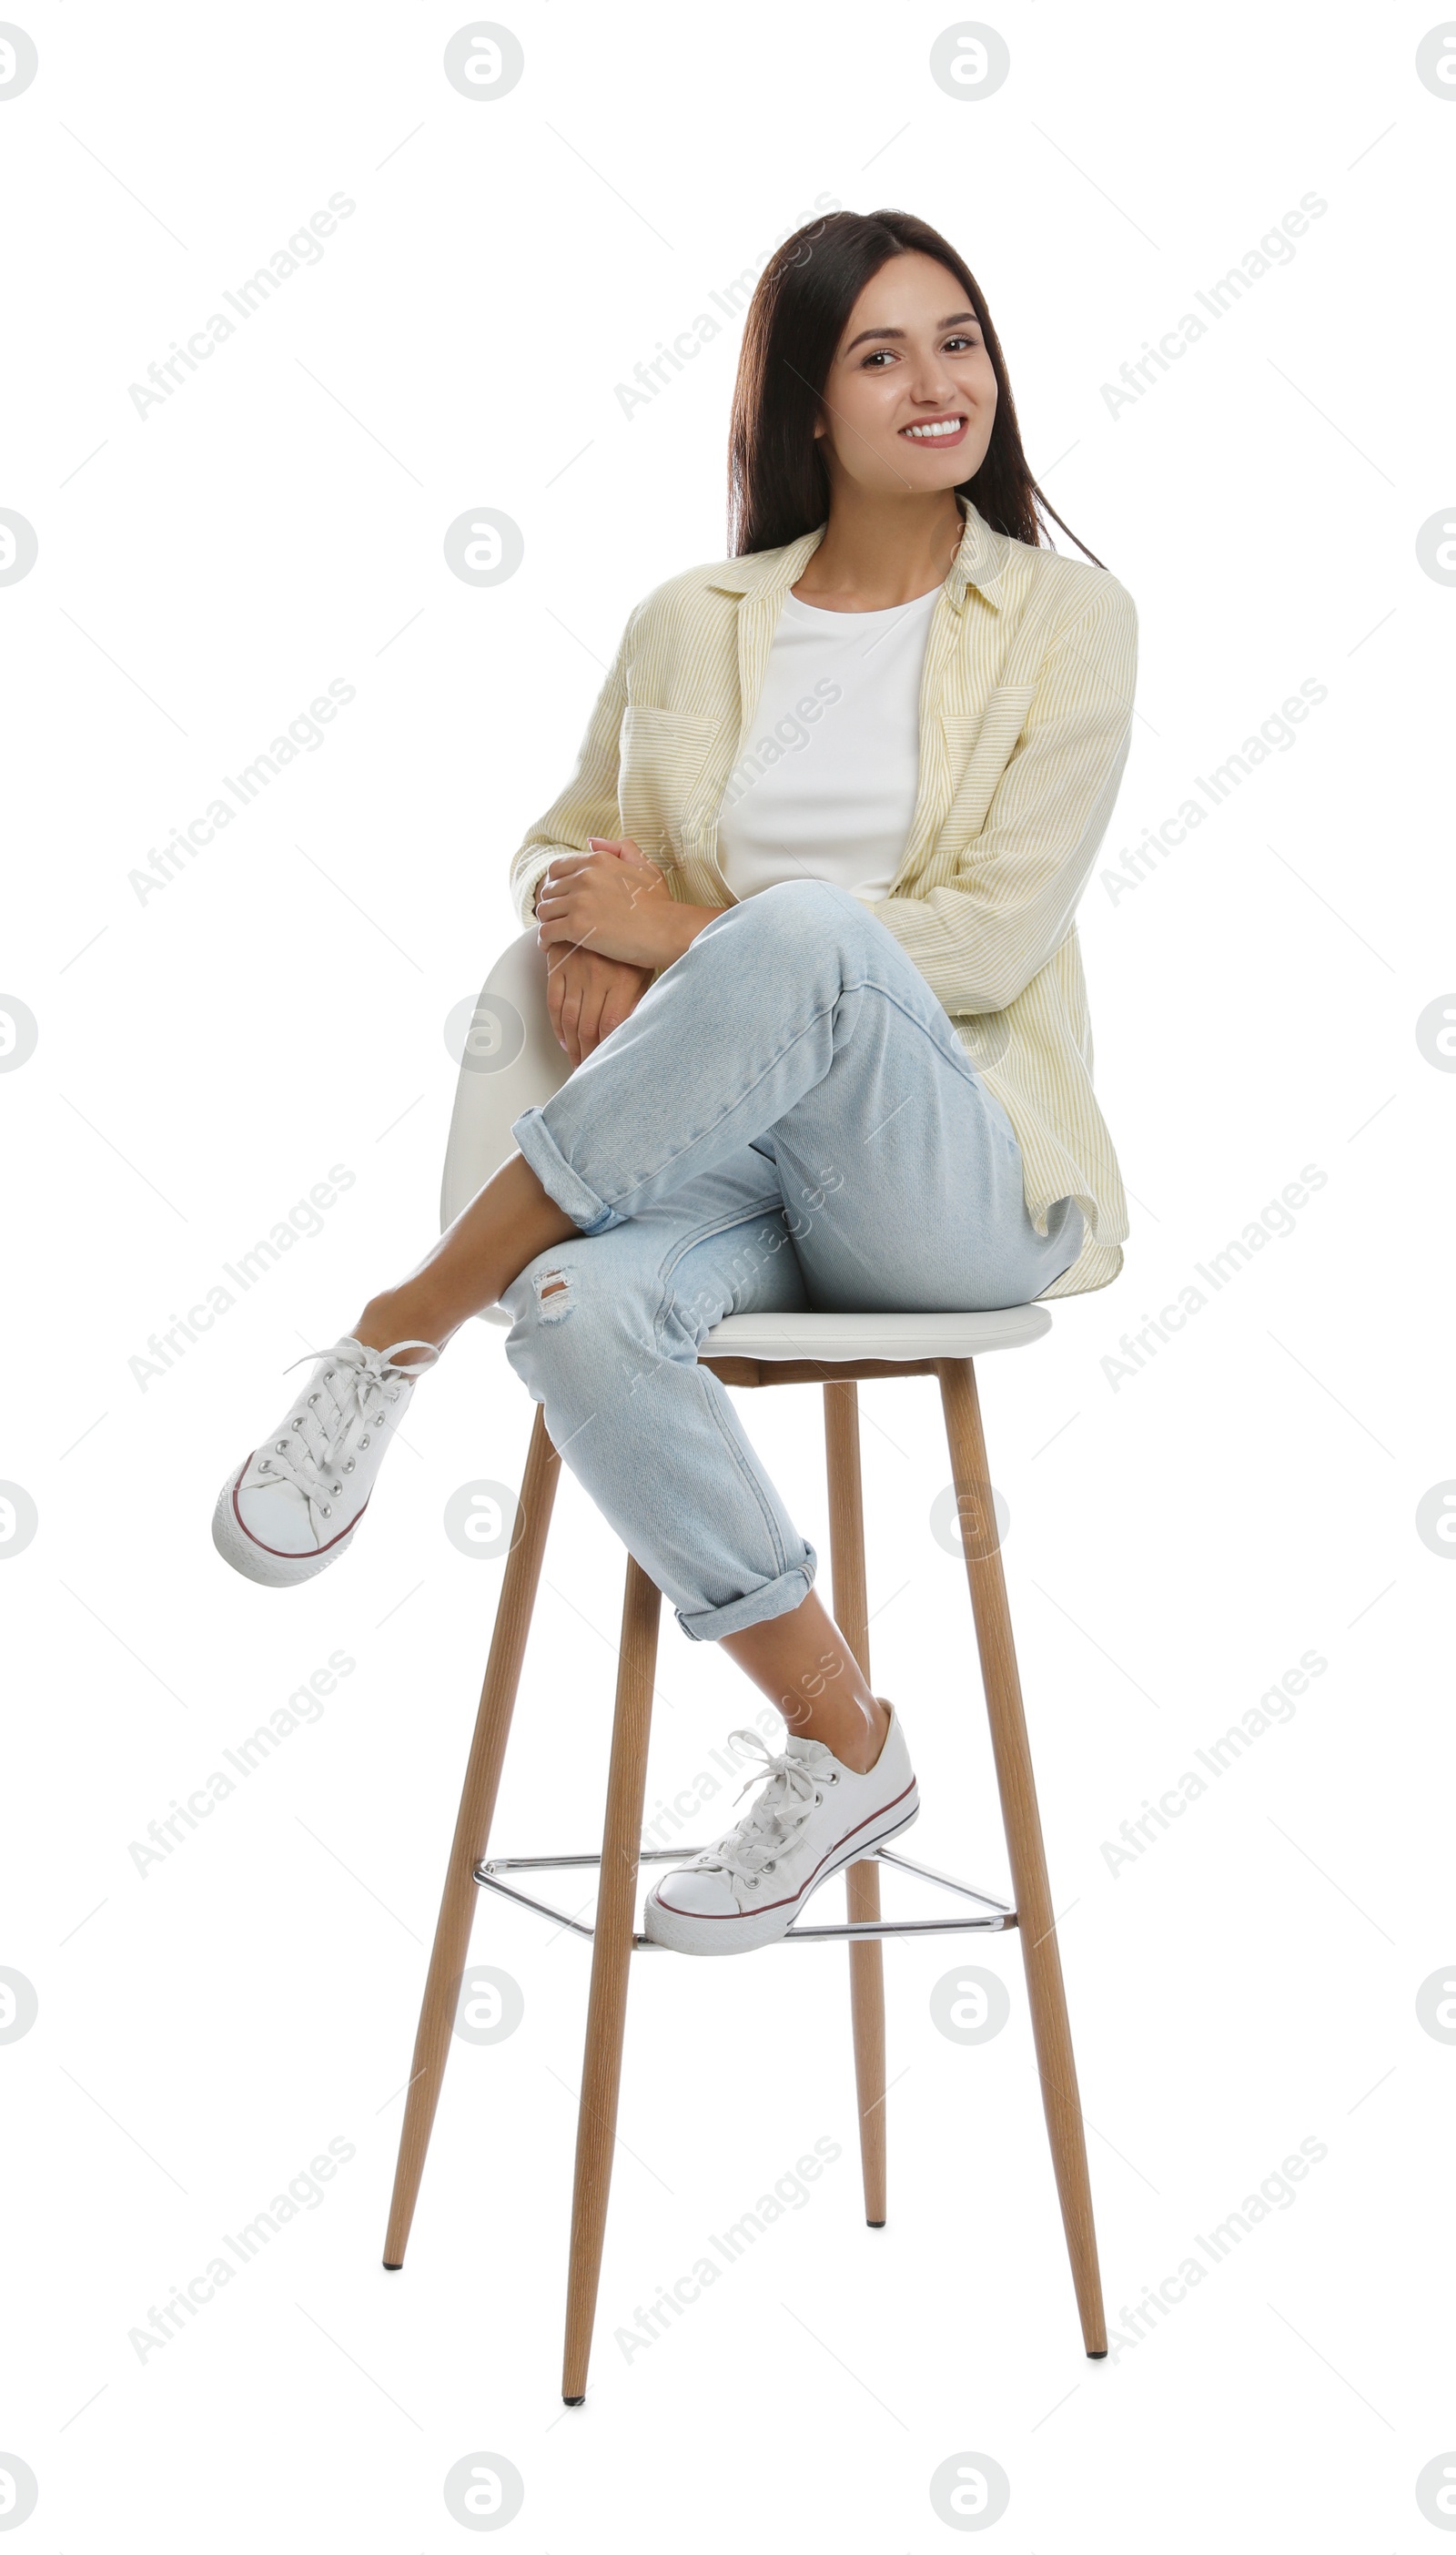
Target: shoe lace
(353, 1388)
(765, 1831)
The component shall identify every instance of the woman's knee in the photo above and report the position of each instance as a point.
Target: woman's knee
(817, 901)
(575, 1319)
(810, 918)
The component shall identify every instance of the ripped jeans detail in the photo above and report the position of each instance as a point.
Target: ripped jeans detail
(552, 1293)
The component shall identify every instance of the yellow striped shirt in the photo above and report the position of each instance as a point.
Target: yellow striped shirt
(1026, 717)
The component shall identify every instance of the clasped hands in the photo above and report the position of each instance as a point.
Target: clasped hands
(607, 922)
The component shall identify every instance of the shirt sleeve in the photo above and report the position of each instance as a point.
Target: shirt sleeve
(588, 803)
(981, 937)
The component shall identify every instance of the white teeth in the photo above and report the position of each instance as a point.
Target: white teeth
(923, 433)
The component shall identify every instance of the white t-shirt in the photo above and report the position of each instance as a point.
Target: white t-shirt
(826, 786)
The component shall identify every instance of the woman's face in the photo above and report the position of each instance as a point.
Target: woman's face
(911, 359)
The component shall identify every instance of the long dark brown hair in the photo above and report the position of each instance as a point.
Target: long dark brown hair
(777, 484)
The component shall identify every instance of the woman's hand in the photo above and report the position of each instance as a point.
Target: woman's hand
(614, 902)
(588, 997)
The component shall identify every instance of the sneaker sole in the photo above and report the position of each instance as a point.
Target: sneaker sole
(712, 1936)
(254, 1560)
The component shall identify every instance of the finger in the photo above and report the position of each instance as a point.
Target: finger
(622, 1000)
(570, 1016)
(554, 991)
(589, 1031)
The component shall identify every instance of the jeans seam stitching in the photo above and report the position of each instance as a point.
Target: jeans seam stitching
(713, 1392)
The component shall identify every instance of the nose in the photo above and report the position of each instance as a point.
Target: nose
(933, 385)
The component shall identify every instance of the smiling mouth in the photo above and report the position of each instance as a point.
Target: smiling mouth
(939, 429)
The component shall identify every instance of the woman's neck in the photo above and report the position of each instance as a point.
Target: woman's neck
(875, 554)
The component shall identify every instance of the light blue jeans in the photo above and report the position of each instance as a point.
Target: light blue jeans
(786, 1123)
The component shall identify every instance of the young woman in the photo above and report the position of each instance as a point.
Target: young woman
(807, 900)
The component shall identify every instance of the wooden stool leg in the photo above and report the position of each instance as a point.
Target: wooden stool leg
(606, 2013)
(473, 1832)
(862, 1880)
(1045, 1991)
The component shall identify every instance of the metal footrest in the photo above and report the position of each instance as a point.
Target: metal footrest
(996, 1920)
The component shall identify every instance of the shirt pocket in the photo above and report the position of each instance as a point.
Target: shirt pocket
(661, 757)
(979, 746)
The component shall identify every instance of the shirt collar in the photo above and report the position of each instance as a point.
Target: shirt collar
(980, 561)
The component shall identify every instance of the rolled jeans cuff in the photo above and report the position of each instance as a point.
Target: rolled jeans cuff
(776, 1597)
(565, 1188)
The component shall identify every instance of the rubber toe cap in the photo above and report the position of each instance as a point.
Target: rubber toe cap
(276, 1516)
(698, 1893)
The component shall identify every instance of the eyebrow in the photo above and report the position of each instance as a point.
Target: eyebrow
(955, 317)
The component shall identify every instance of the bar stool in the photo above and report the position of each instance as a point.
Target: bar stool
(511, 1063)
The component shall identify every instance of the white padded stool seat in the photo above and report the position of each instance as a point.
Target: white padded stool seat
(896, 1337)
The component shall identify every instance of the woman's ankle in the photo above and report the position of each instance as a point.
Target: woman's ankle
(871, 1738)
(394, 1316)
(855, 1735)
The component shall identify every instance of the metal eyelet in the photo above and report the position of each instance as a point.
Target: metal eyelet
(329, 1375)
(363, 1441)
(264, 1465)
(771, 1867)
(312, 1398)
(281, 1446)
(335, 1485)
(325, 1509)
(348, 1468)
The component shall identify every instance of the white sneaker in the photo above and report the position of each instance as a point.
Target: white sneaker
(292, 1507)
(816, 1816)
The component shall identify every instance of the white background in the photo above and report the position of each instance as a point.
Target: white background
(1177, 1539)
